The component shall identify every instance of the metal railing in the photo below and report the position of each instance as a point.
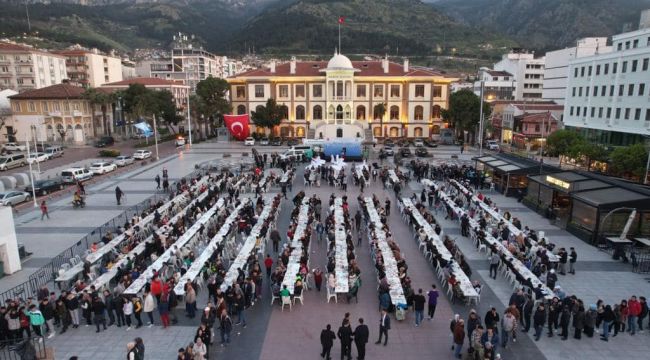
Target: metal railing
(29, 348)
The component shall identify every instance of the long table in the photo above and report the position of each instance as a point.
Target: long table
(341, 249)
(139, 283)
(293, 266)
(198, 263)
(393, 176)
(248, 246)
(396, 291)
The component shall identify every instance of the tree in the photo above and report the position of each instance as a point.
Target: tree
(214, 103)
(590, 152)
(562, 142)
(267, 116)
(95, 98)
(464, 111)
(380, 110)
(629, 160)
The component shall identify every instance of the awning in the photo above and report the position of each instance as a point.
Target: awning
(612, 197)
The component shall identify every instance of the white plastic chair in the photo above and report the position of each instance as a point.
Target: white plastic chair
(331, 294)
(286, 300)
(295, 297)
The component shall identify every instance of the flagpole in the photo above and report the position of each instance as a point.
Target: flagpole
(339, 36)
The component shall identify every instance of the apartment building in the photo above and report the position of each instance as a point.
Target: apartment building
(24, 68)
(91, 68)
(527, 72)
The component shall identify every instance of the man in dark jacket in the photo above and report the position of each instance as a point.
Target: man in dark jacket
(345, 335)
(579, 322)
(565, 319)
(528, 312)
(108, 300)
(553, 315)
(361, 335)
(98, 309)
(539, 319)
(275, 238)
(384, 325)
(327, 338)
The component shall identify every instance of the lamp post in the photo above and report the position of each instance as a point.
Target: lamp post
(31, 175)
(38, 163)
(189, 114)
(480, 123)
(155, 135)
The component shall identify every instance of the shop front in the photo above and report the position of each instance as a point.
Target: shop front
(509, 173)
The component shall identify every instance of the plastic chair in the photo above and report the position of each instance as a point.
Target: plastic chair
(273, 297)
(299, 297)
(286, 300)
(331, 294)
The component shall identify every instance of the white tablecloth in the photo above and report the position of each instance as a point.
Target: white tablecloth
(341, 249)
(393, 176)
(293, 267)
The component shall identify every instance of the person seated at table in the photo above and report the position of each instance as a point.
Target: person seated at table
(297, 288)
(331, 281)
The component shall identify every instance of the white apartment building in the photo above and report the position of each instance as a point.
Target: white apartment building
(608, 95)
(528, 73)
(556, 70)
(23, 68)
(91, 68)
(497, 85)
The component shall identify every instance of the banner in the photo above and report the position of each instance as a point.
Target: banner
(237, 125)
(145, 128)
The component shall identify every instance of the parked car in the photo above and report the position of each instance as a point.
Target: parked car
(388, 150)
(11, 161)
(123, 160)
(431, 143)
(276, 141)
(12, 146)
(421, 152)
(389, 142)
(405, 152)
(10, 198)
(54, 151)
(418, 143)
(293, 142)
(37, 157)
(492, 145)
(44, 187)
(180, 140)
(102, 167)
(249, 141)
(105, 141)
(42, 147)
(141, 154)
(264, 141)
(72, 175)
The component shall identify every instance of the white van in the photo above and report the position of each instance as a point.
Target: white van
(54, 151)
(72, 175)
(11, 161)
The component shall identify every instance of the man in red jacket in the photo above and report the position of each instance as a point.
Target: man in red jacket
(156, 287)
(634, 310)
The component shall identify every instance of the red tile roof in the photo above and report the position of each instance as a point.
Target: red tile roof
(537, 118)
(58, 91)
(539, 107)
(9, 47)
(146, 81)
(312, 68)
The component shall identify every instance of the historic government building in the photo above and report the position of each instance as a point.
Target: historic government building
(339, 98)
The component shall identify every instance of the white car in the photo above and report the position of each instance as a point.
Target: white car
(123, 160)
(180, 141)
(12, 146)
(249, 141)
(142, 154)
(103, 167)
(264, 141)
(11, 198)
(492, 145)
(418, 143)
(37, 157)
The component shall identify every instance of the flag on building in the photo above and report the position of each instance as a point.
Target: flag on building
(237, 125)
(341, 19)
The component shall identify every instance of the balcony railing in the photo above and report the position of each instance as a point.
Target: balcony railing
(340, 98)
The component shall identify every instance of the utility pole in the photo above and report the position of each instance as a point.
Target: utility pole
(155, 135)
(480, 124)
(31, 175)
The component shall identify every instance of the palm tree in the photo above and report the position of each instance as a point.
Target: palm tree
(380, 110)
(94, 98)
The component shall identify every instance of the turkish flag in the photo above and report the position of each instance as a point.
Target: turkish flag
(341, 19)
(237, 125)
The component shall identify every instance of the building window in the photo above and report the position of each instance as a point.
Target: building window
(259, 91)
(597, 69)
(595, 90)
(644, 67)
(635, 43)
(300, 91)
(435, 112)
(589, 71)
(582, 71)
(56, 106)
(419, 90)
(31, 106)
(573, 92)
(241, 92)
(609, 112)
(577, 110)
(593, 111)
(284, 91)
(600, 112)
(284, 112)
(647, 114)
(621, 90)
(17, 107)
(603, 90)
(580, 91)
(634, 64)
(630, 90)
(614, 68)
(361, 91)
(627, 113)
(44, 106)
(66, 106)
(361, 110)
(618, 113)
(394, 112)
(378, 91)
(300, 112)
(241, 110)
(575, 72)
(641, 89)
(437, 91)
(318, 91)
(611, 90)
(637, 114)
(571, 111)
(624, 67)
(318, 113)
(606, 70)
(418, 113)
(394, 91)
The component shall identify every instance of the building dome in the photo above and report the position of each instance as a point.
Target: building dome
(340, 62)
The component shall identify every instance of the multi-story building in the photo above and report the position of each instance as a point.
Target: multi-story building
(506, 112)
(531, 130)
(177, 88)
(607, 94)
(497, 85)
(128, 69)
(91, 68)
(58, 113)
(23, 68)
(556, 69)
(527, 71)
(340, 98)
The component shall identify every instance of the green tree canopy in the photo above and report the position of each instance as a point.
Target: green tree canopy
(268, 116)
(464, 110)
(561, 142)
(630, 160)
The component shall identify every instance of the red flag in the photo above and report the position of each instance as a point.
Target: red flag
(341, 19)
(237, 125)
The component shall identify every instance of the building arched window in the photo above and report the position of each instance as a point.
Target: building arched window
(435, 130)
(361, 112)
(417, 132)
(418, 113)
(259, 109)
(394, 112)
(300, 131)
(241, 110)
(339, 112)
(330, 112)
(394, 131)
(318, 113)
(284, 112)
(435, 112)
(300, 112)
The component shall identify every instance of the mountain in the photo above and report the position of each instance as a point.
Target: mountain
(408, 27)
(547, 24)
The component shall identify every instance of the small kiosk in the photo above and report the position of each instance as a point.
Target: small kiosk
(509, 173)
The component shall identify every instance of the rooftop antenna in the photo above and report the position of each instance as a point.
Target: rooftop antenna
(29, 24)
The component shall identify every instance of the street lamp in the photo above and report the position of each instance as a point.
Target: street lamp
(480, 123)
(31, 175)
(38, 163)
(155, 134)
(189, 116)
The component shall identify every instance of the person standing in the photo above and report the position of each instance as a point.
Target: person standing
(494, 264)
(459, 337)
(44, 211)
(384, 326)
(573, 257)
(387, 207)
(268, 264)
(139, 348)
(327, 338)
(418, 306)
(644, 312)
(538, 321)
(118, 194)
(98, 310)
(565, 319)
(634, 310)
(345, 335)
(275, 239)
(157, 179)
(149, 306)
(361, 335)
(433, 301)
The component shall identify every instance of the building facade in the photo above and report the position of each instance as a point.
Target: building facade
(91, 68)
(24, 68)
(179, 91)
(497, 85)
(556, 69)
(528, 73)
(504, 114)
(340, 98)
(57, 113)
(607, 94)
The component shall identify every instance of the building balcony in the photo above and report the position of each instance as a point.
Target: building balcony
(77, 113)
(55, 113)
(340, 98)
